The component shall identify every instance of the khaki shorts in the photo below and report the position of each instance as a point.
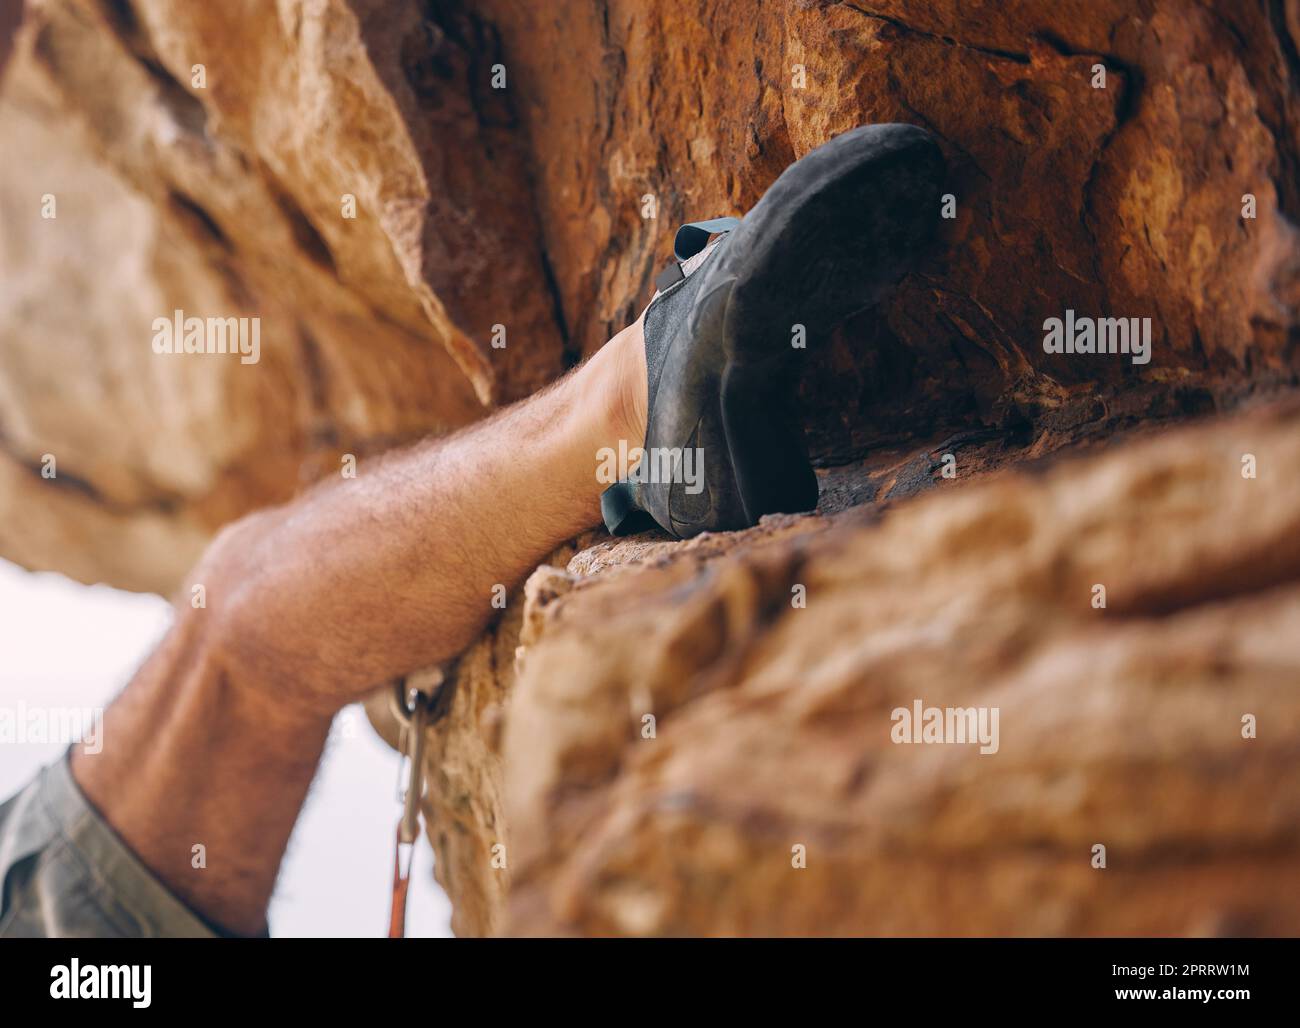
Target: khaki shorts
(66, 874)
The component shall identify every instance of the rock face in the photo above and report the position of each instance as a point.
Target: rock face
(231, 200)
(516, 171)
(1124, 200)
(699, 738)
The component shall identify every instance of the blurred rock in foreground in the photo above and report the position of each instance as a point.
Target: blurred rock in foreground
(1124, 726)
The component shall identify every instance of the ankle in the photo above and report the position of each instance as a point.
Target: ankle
(628, 395)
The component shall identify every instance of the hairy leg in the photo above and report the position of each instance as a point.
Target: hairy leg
(312, 605)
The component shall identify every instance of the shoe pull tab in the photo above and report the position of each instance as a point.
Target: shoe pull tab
(691, 238)
(694, 236)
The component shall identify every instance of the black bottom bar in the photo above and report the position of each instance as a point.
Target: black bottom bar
(425, 979)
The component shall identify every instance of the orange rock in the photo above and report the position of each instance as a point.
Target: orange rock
(772, 799)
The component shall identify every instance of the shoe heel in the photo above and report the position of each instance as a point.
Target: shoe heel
(768, 456)
(621, 509)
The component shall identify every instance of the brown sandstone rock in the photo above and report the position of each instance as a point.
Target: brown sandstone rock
(1119, 727)
(227, 200)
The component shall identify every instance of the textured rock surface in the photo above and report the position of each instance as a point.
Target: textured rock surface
(228, 200)
(1119, 726)
(1121, 200)
(527, 208)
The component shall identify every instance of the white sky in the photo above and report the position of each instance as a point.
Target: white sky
(70, 645)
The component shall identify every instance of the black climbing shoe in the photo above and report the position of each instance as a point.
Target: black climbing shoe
(834, 231)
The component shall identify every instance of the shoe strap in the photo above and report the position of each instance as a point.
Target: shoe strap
(694, 235)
